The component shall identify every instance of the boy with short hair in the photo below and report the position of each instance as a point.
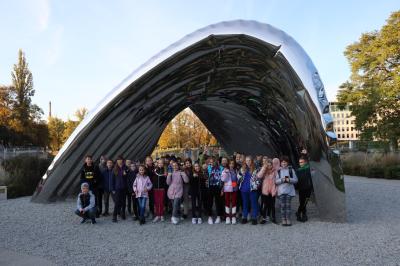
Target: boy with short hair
(86, 204)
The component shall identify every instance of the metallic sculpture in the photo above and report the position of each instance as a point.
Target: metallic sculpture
(251, 84)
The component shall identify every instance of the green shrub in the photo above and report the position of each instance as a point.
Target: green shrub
(24, 173)
(376, 172)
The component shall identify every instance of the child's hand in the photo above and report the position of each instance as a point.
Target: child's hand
(145, 189)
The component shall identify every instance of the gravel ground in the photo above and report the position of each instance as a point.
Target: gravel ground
(52, 232)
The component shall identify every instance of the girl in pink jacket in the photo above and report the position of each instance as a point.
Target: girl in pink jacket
(141, 187)
(268, 190)
(175, 181)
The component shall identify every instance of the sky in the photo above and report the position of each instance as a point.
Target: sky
(80, 50)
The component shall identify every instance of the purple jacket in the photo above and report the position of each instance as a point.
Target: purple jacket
(175, 181)
(139, 185)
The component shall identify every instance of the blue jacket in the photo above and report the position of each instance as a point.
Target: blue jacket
(107, 176)
(245, 182)
(214, 176)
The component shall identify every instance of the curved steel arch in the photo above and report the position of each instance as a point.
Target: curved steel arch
(251, 84)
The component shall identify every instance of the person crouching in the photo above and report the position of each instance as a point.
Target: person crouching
(86, 204)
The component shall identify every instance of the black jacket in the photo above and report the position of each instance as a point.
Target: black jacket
(130, 178)
(160, 178)
(304, 179)
(91, 175)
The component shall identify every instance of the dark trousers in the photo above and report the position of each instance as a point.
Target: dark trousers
(90, 214)
(239, 201)
(151, 201)
(99, 200)
(106, 198)
(135, 206)
(304, 196)
(129, 202)
(196, 204)
(268, 206)
(119, 199)
(214, 195)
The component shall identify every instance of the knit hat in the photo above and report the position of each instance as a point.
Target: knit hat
(83, 185)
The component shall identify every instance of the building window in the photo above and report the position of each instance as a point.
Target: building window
(347, 135)
(338, 135)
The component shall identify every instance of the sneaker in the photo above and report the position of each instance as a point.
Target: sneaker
(263, 221)
(174, 220)
(162, 219)
(284, 222)
(83, 221)
(210, 220)
(288, 223)
(267, 219)
(156, 219)
(93, 221)
(114, 220)
(254, 221)
(199, 221)
(244, 220)
(194, 220)
(233, 220)
(274, 221)
(218, 220)
(228, 220)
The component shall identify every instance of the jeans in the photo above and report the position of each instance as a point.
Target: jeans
(285, 200)
(253, 198)
(90, 214)
(176, 205)
(142, 206)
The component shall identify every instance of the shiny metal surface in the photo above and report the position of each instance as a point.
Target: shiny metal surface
(251, 84)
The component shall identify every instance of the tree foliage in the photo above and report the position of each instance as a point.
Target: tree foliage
(186, 130)
(373, 90)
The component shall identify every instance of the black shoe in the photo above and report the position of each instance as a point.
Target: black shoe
(135, 218)
(244, 221)
(83, 221)
(263, 221)
(184, 216)
(298, 216)
(93, 221)
(114, 220)
(254, 221)
(304, 218)
(274, 221)
(97, 215)
(123, 217)
(106, 214)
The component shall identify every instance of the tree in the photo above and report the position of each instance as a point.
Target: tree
(21, 92)
(5, 105)
(373, 91)
(81, 113)
(56, 131)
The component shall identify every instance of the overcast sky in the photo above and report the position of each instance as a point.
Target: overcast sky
(79, 50)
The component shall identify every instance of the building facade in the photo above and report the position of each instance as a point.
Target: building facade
(343, 123)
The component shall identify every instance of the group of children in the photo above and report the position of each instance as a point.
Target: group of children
(235, 184)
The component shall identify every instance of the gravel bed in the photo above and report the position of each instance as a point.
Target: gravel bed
(53, 232)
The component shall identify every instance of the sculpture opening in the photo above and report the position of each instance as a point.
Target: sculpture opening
(251, 85)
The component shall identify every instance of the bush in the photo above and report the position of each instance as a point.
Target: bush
(373, 165)
(24, 173)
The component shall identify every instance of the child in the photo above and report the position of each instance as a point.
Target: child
(141, 186)
(285, 180)
(197, 188)
(229, 177)
(214, 186)
(187, 167)
(159, 190)
(305, 188)
(107, 175)
(86, 204)
(249, 184)
(268, 191)
(175, 181)
(119, 188)
(131, 176)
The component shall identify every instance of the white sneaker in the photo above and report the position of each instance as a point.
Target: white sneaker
(218, 220)
(162, 219)
(175, 220)
(210, 220)
(233, 220)
(194, 220)
(156, 219)
(228, 220)
(199, 221)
